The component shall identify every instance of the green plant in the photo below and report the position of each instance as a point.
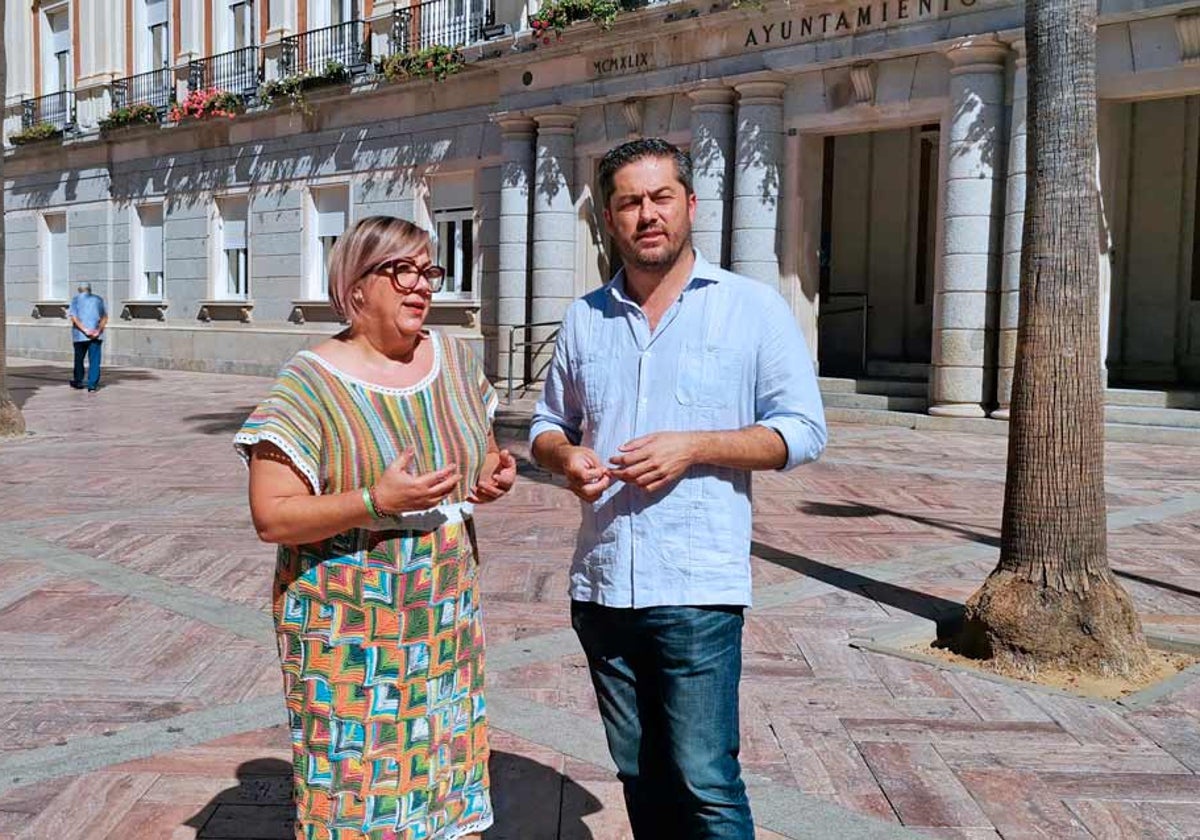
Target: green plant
(210, 102)
(40, 131)
(292, 87)
(559, 14)
(143, 114)
(437, 62)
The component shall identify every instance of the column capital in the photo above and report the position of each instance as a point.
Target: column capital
(761, 92)
(556, 122)
(984, 54)
(712, 96)
(515, 127)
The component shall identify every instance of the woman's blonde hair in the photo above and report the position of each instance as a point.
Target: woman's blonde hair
(367, 244)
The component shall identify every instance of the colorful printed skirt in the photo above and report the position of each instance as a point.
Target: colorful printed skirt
(381, 642)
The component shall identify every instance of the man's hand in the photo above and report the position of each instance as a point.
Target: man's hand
(496, 477)
(586, 474)
(655, 460)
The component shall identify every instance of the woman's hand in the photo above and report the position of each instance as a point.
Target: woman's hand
(399, 491)
(496, 477)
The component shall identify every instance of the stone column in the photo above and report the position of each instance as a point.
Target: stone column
(712, 159)
(756, 181)
(516, 184)
(1014, 223)
(554, 223)
(972, 194)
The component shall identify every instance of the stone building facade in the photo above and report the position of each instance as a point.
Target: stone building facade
(864, 157)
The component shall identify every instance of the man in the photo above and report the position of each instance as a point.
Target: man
(88, 321)
(667, 388)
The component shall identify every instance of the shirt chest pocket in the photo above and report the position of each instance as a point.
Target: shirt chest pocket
(709, 376)
(594, 377)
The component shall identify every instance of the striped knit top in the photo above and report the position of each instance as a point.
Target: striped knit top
(341, 432)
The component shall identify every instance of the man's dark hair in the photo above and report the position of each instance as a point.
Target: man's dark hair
(635, 150)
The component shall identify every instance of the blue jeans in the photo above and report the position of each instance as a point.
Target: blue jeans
(666, 680)
(91, 349)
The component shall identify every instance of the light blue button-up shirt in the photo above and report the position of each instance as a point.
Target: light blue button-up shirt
(726, 355)
(88, 309)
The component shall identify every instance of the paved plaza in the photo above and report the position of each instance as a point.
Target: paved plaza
(142, 696)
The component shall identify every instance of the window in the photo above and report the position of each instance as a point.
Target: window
(456, 250)
(56, 264)
(234, 262)
(148, 279)
(154, 50)
(330, 214)
(241, 16)
(56, 65)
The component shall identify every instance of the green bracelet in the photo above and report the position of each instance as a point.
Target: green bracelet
(370, 503)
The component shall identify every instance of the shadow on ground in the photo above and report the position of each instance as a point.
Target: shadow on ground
(219, 422)
(946, 613)
(26, 380)
(531, 802)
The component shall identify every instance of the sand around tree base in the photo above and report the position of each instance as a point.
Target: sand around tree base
(1163, 665)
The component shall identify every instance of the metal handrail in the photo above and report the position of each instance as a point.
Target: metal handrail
(438, 23)
(57, 108)
(863, 306)
(311, 52)
(154, 87)
(237, 71)
(539, 344)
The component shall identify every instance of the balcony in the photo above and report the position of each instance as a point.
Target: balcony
(312, 52)
(449, 23)
(237, 71)
(56, 109)
(157, 88)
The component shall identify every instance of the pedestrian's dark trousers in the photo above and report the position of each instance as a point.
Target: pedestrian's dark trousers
(666, 681)
(91, 349)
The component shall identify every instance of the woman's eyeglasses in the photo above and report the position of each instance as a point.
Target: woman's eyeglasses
(405, 275)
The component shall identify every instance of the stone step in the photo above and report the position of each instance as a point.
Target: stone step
(883, 369)
(883, 402)
(892, 387)
(1116, 432)
(1175, 418)
(1147, 398)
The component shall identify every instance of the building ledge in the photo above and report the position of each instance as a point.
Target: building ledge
(225, 310)
(155, 310)
(50, 308)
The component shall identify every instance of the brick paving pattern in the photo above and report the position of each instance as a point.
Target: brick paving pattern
(142, 699)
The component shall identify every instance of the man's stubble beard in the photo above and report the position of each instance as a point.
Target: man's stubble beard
(662, 263)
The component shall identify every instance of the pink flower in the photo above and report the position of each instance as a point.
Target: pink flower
(546, 41)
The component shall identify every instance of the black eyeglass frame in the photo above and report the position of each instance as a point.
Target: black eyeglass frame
(434, 275)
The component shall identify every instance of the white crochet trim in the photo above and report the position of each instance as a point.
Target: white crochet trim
(424, 520)
(434, 370)
(242, 442)
(473, 828)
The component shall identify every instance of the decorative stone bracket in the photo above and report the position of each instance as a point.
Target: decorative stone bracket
(226, 310)
(1187, 28)
(321, 311)
(50, 309)
(144, 309)
(862, 79)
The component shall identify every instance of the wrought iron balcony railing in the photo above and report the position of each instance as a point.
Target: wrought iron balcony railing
(450, 23)
(237, 71)
(58, 109)
(344, 44)
(156, 87)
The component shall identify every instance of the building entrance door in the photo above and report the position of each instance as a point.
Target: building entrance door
(879, 210)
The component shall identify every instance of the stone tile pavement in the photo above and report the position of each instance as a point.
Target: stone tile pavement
(141, 697)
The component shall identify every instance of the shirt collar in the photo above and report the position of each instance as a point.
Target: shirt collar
(702, 272)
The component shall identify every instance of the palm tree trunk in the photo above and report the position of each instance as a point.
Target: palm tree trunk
(1053, 600)
(11, 420)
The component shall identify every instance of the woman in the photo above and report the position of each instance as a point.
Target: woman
(365, 461)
